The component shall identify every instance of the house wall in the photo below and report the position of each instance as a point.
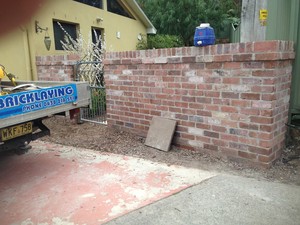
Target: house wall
(20, 48)
(86, 16)
(15, 54)
(230, 99)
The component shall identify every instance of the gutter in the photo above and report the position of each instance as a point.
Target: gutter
(142, 16)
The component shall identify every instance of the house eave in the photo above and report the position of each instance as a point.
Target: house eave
(142, 16)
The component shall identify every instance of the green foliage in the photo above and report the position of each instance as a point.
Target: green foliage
(182, 17)
(160, 41)
(98, 99)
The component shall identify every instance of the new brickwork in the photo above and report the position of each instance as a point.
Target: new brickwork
(56, 67)
(228, 99)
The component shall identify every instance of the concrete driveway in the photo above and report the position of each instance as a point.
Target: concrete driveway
(58, 185)
(54, 184)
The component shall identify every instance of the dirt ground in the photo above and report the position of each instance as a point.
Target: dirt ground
(102, 138)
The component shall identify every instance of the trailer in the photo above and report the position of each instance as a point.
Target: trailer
(24, 107)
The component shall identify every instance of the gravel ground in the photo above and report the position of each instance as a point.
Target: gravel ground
(106, 139)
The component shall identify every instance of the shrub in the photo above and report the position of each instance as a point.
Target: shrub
(160, 41)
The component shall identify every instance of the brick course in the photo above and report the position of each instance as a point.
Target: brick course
(229, 99)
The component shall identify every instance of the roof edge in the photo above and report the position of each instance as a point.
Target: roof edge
(142, 16)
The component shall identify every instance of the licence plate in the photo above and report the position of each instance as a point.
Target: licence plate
(16, 131)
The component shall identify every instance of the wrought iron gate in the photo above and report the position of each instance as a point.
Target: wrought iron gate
(93, 73)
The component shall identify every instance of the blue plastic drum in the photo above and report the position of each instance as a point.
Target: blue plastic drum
(204, 35)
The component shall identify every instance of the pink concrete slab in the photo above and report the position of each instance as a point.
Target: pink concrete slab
(54, 184)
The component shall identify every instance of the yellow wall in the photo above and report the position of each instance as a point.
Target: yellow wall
(19, 48)
(15, 54)
(86, 16)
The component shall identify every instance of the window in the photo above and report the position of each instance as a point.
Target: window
(96, 36)
(116, 6)
(59, 34)
(94, 3)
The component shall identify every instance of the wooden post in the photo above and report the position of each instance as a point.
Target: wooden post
(251, 27)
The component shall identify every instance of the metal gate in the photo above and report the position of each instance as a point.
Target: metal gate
(91, 72)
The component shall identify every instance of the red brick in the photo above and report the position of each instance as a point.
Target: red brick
(222, 143)
(248, 140)
(268, 97)
(271, 64)
(232, 65)
(253, 81)
(203, 126)
(203, 139)
(195, 93)
(240, 103)
(229, 137)
(231, 80)
(204, 113)
(204, 86)
(188, 111)
(229, 109)
(188, 59)
(218, 101)
(269, 46)
(211, 134)
(263, 89)
(187, 136)
(250, 96)
(266, 159)
(228, 151)
(212, 79)
(267, 128)
(222, 58)
(213, 65)
(242, 57)
(168, 91)
(231, 95)
(174, 85)
(211, 147)
(182, 104)
(267, 56)
(266, 143)
(211, 107)
(263, 73)
(261, 120)
(238, 146)
(229, 123)
(181, 117)
(249, 126)
(195, 105)
(250, 65)
(247, 155)
(250, 111)
(204, 100)
(266, 112)
(214, 94)
(219, 129)
(260, 151)
(168, 79)
(188, 86)
(188, 99)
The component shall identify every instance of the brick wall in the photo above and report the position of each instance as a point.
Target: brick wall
(229, 99)
(56, 67)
